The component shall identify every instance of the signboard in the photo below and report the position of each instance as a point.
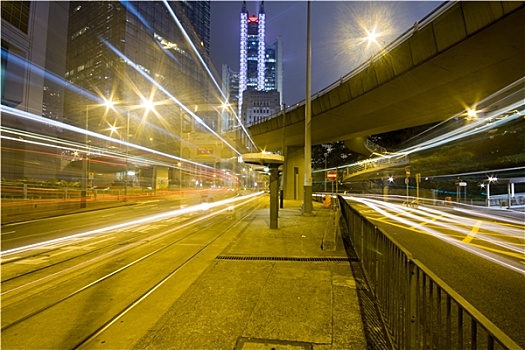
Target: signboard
(331, 175)
(204, 151)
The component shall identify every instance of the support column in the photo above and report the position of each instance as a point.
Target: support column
(488, 194)
(385, 191)
(161, 177)
(508, 196)
(274, 197)
(293, 170)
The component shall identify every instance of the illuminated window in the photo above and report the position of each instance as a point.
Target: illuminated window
(16, 13)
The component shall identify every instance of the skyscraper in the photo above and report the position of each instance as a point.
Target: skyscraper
(260, 65)
(116, 50)
(33, 42)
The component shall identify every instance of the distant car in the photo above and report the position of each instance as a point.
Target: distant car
(100, 188)
(119, 184)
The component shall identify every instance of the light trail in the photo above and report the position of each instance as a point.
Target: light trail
(474, 249)
(168, 94)
(507, 108)
(151, 218)
(454, 226)
(197, 53)
(73, 146)
(39, 119)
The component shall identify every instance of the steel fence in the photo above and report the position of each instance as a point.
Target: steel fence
(419, 310)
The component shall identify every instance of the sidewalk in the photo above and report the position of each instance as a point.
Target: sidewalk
(269, 289)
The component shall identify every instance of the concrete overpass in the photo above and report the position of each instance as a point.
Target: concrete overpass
(468, 52)
(442, 66)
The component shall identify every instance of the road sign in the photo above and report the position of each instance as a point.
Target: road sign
(332, 175)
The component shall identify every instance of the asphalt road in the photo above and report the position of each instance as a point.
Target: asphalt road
(65, 292)
(26, 233)
(482, 259)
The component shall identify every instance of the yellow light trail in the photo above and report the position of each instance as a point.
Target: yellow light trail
(407, 222)
(151, 218)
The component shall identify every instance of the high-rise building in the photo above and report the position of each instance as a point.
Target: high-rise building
(33, 46)
(260, 66)
(116, 50)
(109, 40)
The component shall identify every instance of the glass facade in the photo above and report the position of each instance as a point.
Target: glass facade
(17, 13)
(116, 51)
(259, 62)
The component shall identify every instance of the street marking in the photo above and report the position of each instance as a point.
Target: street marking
(7, 233)
(502, 252)
(473, 232)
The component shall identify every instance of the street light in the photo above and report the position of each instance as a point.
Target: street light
(307, 122)
(148, 105)
(85, 164)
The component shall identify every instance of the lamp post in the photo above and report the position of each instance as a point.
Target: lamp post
(83, 184)
(127, 155)
(326, 171)
(85, 161)
(307, 123)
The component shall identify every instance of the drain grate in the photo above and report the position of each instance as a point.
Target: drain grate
(281, 258)
(270, 344)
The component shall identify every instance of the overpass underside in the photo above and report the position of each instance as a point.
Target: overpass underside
(468, 52)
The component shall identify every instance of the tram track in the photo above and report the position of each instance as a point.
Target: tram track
(55, 251)
(129, 261)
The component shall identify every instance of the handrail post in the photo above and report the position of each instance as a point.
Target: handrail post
(411, 315)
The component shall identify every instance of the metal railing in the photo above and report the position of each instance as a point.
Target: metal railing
(420, 311)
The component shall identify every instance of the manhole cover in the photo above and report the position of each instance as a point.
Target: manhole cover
(271, 344)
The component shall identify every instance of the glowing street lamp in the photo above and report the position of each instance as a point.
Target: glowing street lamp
(148, 105)
(85, 165)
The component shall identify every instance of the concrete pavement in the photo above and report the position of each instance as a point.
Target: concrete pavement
(269, 289)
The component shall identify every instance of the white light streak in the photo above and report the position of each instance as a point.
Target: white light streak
(151, 218)
(375, 205)
(39, 119)
(186, 36)
(167, 93)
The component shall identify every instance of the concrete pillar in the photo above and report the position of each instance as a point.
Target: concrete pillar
(274, 197)
(385, 190)
(293, 173)
(508, 195)
(161, 177)
(488, 194)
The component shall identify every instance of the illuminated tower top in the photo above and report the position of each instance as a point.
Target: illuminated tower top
(252, 64)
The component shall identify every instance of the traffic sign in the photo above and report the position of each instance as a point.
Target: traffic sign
(331, 175)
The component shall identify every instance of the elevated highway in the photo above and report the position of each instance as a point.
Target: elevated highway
(460, 54)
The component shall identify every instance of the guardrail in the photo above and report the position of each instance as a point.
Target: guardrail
(420, 311)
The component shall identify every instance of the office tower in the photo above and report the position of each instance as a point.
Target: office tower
(109, 40)
(33, 46)
(134, 53)
(260, 65)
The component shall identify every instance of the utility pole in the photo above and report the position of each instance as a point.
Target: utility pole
(307, 123)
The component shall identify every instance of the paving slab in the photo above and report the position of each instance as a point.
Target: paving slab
(273, 296)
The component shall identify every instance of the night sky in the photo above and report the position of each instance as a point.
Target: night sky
(337, 32)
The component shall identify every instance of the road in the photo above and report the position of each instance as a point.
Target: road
(25, 233)
(479, 253)
(87, 275)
